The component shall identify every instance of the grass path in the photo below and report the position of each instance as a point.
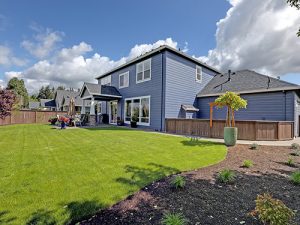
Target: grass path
(55, 176)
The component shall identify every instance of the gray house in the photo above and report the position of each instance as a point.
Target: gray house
(166, 83)
(62, 100)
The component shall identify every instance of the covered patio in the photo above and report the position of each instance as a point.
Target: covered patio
(96, 93)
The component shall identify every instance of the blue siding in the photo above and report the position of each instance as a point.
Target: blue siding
(180, 84)
(297, 114)
(277, 106)
(152, 88)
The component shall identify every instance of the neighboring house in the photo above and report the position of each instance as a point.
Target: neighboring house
(268, 98)
(62, 100)
(34, 105)
(48, 104)
(152, 87)
(43, 104)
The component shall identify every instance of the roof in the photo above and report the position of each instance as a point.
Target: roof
(34, 105)
(244, 81)
(100, 90)
(47, 103)
(155, 51)
(189, 108)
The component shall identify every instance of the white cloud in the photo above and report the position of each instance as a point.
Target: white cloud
(43, 43)
(259, 35)
(71, 68)
(7, 57)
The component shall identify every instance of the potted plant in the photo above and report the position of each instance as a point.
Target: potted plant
(52, 120)
(233, 102)
(133, 122)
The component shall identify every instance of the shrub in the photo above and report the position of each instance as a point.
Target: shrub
(296, 152)
(295, 146)
(52, 120)
(226, 176)
(173, 219)
(272, 211)
(247, 163)
(178, 182)
(295, 177)
(290, 162)
(254, 146)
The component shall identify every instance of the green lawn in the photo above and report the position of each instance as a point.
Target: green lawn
(51, 176)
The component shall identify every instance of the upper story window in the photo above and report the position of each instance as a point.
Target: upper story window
(199, 74)
(124, 80)
(143, 71)
(106, 80)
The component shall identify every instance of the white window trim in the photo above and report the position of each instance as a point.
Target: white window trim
(136, 71)
(108, 78)
(140, 111)
(124, 74)
(199, 80)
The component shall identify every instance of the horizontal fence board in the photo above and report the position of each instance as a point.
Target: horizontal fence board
(28, 117)
(247, 130)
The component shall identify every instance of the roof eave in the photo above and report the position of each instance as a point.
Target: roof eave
(155, 51)
(252, 91)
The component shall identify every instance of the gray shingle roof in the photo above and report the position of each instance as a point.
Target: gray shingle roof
(244, 81)
(97, 89)
(47, 102)
(34, 105)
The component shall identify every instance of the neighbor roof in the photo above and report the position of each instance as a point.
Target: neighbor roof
(244, 81)
(154, 51)
(34, 105)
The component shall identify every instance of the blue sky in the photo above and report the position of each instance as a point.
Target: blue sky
(112, 28)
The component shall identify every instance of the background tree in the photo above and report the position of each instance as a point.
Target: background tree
(18, 87)
(61, 88)
(7, 100)
(296, 4)
(46, 92)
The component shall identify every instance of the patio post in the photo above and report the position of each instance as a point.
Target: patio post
(83, 108)
(92, 113)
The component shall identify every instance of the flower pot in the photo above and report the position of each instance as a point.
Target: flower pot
(133, 124)
(230, 135)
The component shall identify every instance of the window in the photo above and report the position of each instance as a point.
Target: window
(138, 107)
(106, 80)
(124, 80)
(143, 71)
(199, 74)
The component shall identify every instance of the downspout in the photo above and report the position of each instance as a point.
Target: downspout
(162, 92)
(285, 105)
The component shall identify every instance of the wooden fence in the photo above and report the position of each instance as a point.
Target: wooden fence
(26, 116)
(247, 130)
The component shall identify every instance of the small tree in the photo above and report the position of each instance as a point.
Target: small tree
(7, 100)
(233, 102)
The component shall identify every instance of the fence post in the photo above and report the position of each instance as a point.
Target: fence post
(278, 129)
(35, 116)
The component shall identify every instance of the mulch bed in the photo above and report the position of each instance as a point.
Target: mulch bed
(205, 201)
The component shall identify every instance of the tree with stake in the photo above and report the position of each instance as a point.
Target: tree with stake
(233, 102)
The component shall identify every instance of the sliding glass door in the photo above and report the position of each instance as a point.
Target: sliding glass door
(138, 109)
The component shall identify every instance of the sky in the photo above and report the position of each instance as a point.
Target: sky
(68, 42)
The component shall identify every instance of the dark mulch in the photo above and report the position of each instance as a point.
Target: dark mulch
(205, 201)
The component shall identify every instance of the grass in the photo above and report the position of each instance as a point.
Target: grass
(295, 177)
(226, 176)
(247, 163)
(173, 219)
(51, 176)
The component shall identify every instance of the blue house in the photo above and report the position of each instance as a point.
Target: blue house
(167, 83)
